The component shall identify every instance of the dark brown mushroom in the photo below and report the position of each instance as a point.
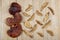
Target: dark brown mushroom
(17, 18)
(14, 8)
(15, 31)
(10, 21)
(14, 23)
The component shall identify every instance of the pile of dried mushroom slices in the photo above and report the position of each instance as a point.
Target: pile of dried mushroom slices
(32, 22)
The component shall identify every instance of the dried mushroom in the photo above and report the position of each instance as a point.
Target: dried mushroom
(40, 34)
(34, 28)
(51, 10)
(47, 24)
(27, 24)
(28, 33)
(50, 32)
(39, 13)
(32, 17)
(28, 8)
(14, 23)
(43, 6)
(26, 14)
(46, 17)
(38, 22)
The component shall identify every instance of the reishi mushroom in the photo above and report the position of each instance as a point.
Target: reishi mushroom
(14, 23)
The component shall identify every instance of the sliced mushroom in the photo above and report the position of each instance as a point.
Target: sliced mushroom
(27, 24)
(28, 8)
(43, 5)
(50, 32)
(26, 14)
(40, 34)
(46, 24)
(38, 22)
(33, 28)
(46, 17)
(14, 8)
(28, 33)
(51, 10)
(39, 13)
(32, 17)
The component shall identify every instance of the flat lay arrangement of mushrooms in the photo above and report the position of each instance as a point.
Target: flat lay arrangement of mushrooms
(14, 22)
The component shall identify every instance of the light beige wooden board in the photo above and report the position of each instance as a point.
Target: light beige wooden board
(0, 18)
(35, 6)
(58, 14)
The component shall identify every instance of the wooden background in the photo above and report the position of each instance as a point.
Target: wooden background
(4, 6)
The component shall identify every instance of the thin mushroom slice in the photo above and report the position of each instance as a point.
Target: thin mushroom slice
(39, 13)
(34, 28)
(43, 6)
(40, 34)
(27, 24)
(28, 8)
(51, 10)
(28, 33)
(38, 22)
(32, 17)
(46, 17)
(46, 24)
(26, 14)
(50, 32)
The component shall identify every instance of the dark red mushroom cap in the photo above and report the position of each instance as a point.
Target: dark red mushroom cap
(14, 8)
(15, 31)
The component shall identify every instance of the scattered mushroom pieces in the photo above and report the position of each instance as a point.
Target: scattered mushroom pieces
(40, 34)
(39, 13)
(26, 14)
(28, 8)
(38, 22)
(34, 28)
(27, 24)
(50, 32)
(51, 10)
(46, 24)
(28, 33)
(32, 17)
(43, 6)
(46, 17)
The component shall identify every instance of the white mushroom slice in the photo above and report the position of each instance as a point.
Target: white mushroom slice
(38, 22)
(34, 28)
(39, 13)
(28, 33)
(43, 6)
(47, 24)
(32, 17)
(26, 14)
(28, 8)
(51, 10)
(50, 32)
(40, 34)
(27, 24)
(46, 17)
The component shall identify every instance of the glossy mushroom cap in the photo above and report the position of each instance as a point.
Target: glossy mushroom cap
(15, 31)
(14, 8)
